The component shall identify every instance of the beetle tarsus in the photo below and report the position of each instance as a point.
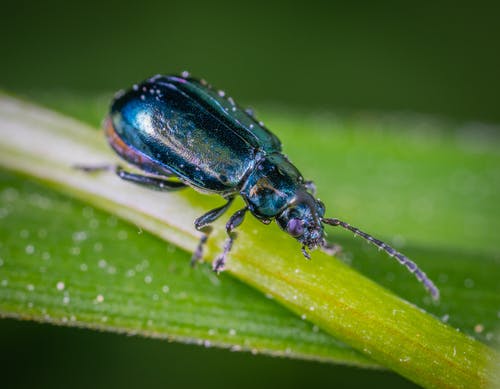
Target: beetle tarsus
(234, 221)
(202, 224)
(198, 253)
(219, 264)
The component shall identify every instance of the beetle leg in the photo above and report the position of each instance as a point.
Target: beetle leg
(149, 181)
(202, 224)
(157, 183)
(235, 220)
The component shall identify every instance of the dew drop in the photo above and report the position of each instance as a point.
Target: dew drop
(98, 247)
(122, 235)
(30, 249)
(130, 273)
(99, 298)
(60, 285)
(79, 236)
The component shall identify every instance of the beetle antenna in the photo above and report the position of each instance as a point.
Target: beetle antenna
(404, 260)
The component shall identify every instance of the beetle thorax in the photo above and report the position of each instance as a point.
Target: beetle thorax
(271, 186)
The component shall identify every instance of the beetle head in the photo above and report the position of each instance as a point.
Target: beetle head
(302, 220)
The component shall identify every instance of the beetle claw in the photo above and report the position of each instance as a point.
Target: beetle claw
(219, 265)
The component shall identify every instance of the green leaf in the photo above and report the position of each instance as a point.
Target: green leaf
(66, 263)
(326, 292)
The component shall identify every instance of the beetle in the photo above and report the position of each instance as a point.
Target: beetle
(180, 132)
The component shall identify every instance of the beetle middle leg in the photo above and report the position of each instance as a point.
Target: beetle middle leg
(202, 225)
(151, 181)
(235, 220)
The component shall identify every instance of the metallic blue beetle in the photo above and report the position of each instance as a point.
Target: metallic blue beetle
(178, 127)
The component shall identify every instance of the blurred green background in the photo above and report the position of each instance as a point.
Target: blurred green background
(438, 58)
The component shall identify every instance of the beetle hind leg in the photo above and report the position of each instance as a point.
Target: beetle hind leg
(150, 181)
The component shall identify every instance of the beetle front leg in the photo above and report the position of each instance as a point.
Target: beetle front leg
(235, 220)
(202, 225)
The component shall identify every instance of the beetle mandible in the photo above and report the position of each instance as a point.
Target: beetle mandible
(179, 127)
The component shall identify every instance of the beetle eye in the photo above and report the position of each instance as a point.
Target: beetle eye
(295, 227)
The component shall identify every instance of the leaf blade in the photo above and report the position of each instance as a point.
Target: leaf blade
(277, 275)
